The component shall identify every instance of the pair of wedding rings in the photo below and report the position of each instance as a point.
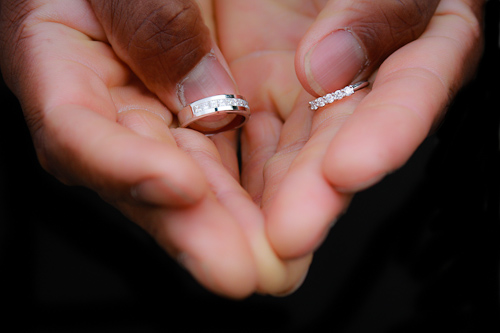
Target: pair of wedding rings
(236, 111)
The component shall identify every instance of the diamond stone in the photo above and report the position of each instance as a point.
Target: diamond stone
(204, 107)
(320, 101)
(349, 90)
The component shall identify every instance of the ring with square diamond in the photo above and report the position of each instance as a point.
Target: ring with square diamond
(229, 104)
(337, 95)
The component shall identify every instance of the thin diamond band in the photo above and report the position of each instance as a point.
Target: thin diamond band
(337, 95)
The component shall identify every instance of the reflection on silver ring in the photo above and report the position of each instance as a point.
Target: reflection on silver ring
(337, 95)
(228, 104)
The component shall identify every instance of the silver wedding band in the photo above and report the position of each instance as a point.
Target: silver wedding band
(337, 95)
(228, 104)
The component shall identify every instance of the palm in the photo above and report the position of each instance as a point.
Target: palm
(260, 48)
(95, 124)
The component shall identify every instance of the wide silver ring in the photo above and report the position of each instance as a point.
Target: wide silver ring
(337, 95)
(234, 106)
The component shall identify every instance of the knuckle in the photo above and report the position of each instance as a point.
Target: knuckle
(392, 23)
(408, 17)
(400, 20)
(161, 35)
(166, 27)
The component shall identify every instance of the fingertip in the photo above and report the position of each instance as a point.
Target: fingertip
(231, 281)
(294, 287)
(298, 221)
(375, 141)
(209, 243)
(291, 276)
(161, 174)
(332, 62)
(114, 160)
(351, 170)
(210, 86)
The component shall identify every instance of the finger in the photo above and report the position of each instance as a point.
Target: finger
(273, 89)
(273, 275)
(350, 39)
(259, 141)
(114, 161)
(170, 49)
(227, 147)
(409, 96)
(205, 239)
(300, 203)
(139, 110)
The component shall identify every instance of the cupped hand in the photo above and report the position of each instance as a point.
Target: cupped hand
(100, 84)
(416, 56)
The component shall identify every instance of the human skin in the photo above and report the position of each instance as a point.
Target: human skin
(95, 123)
(314, 162)
(101, 117)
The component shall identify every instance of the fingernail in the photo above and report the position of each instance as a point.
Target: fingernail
(335, 61)
(210, 77)
(294, 288)
(161, 192)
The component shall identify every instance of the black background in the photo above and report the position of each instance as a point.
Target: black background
(418, 251)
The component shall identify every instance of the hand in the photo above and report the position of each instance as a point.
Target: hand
(198, 241)
(416, 57)
(100, 84)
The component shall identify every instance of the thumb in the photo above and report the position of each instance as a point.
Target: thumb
(168, 46)
(350, 39)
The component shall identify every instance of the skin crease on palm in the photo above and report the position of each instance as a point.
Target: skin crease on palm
(259, 236)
